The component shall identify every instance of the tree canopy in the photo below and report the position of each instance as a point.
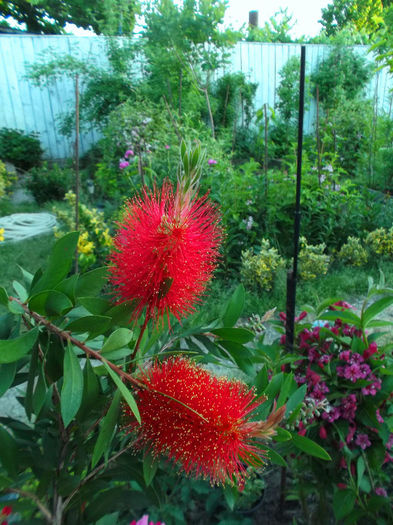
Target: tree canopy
(51, 16)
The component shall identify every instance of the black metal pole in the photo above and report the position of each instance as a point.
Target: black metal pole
(292, 274)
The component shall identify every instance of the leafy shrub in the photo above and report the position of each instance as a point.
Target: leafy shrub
(49, 182)
(3, 179)
(94, 240)
(347, 409)
(351, 74)
(312, 260)
(353, 253)
(21, 149)
(259, 270)
(380, 241)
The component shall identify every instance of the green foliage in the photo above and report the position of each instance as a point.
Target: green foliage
(352, 252)
(49, 182)
(312, 260)
(48, 17)
(3, 179)
(21, 149)
(283, 128)
(351, 75)
(275, 30)
(94, 240)
(259, 270)
(380, 241)
(353, 410)
(234, 97)
(365, 15)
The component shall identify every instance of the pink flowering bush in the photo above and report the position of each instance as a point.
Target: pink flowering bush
(348, 381)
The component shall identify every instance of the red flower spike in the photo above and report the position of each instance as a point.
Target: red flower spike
(6, 511)
(200, 421)
(165, 252)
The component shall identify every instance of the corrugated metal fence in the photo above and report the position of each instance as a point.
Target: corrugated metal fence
(26, 107)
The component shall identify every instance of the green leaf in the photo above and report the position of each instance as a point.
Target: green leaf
(20, 290)
(28, 277)
(346, 317)
(296, 399)
(39, 392)
(309, 447)
(150, 465)
(360, 466)
(8, 452)
(275, 457)
(376, 308)
(235, 306)
(106, 429)
(3, 296)
(282, 435)
(238, 335)
(274, 386)
(91, 388)
(91, 283)
(118, 339)
(7, 376)
(125, 392)
(59, 263)
(93, 324)
(72, 390)
(50, 303)
(95, 305)
(326, 303)
(68, 287)
(286, 388)
(343, 503)
(12, 350)
(261, 380)
(231, 494)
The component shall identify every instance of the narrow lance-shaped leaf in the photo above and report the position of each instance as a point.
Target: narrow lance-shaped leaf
(310, 447)
(106, 429)
(12, 350)
(59, 263)
(234, 307)
(72, 390)
(150, 465)
(124, 392)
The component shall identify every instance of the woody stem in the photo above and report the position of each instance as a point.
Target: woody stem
(143, 328)
(68, 337)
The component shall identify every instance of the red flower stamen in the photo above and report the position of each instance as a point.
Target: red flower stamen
(165, 252)
(200, 421)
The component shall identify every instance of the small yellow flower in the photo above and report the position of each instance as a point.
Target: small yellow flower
(1, 234)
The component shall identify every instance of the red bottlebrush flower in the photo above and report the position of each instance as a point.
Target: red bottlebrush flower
(165, 252)
(200, 421)
(6, 511)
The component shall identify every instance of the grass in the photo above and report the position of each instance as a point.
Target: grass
(344, 282)
(30, 254)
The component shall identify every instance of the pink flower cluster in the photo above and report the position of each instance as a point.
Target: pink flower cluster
(124, 163)
(336, 375)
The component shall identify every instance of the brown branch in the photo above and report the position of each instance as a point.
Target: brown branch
(68, 337)
(94, 472)
(36, 500)
(176, 129)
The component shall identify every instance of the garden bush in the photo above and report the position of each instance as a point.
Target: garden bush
(259, 270)
(353, 253)
(380, 241)
(312, 260)
(95, 241)
(49, 182)
(21, 149)
(347, 379)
